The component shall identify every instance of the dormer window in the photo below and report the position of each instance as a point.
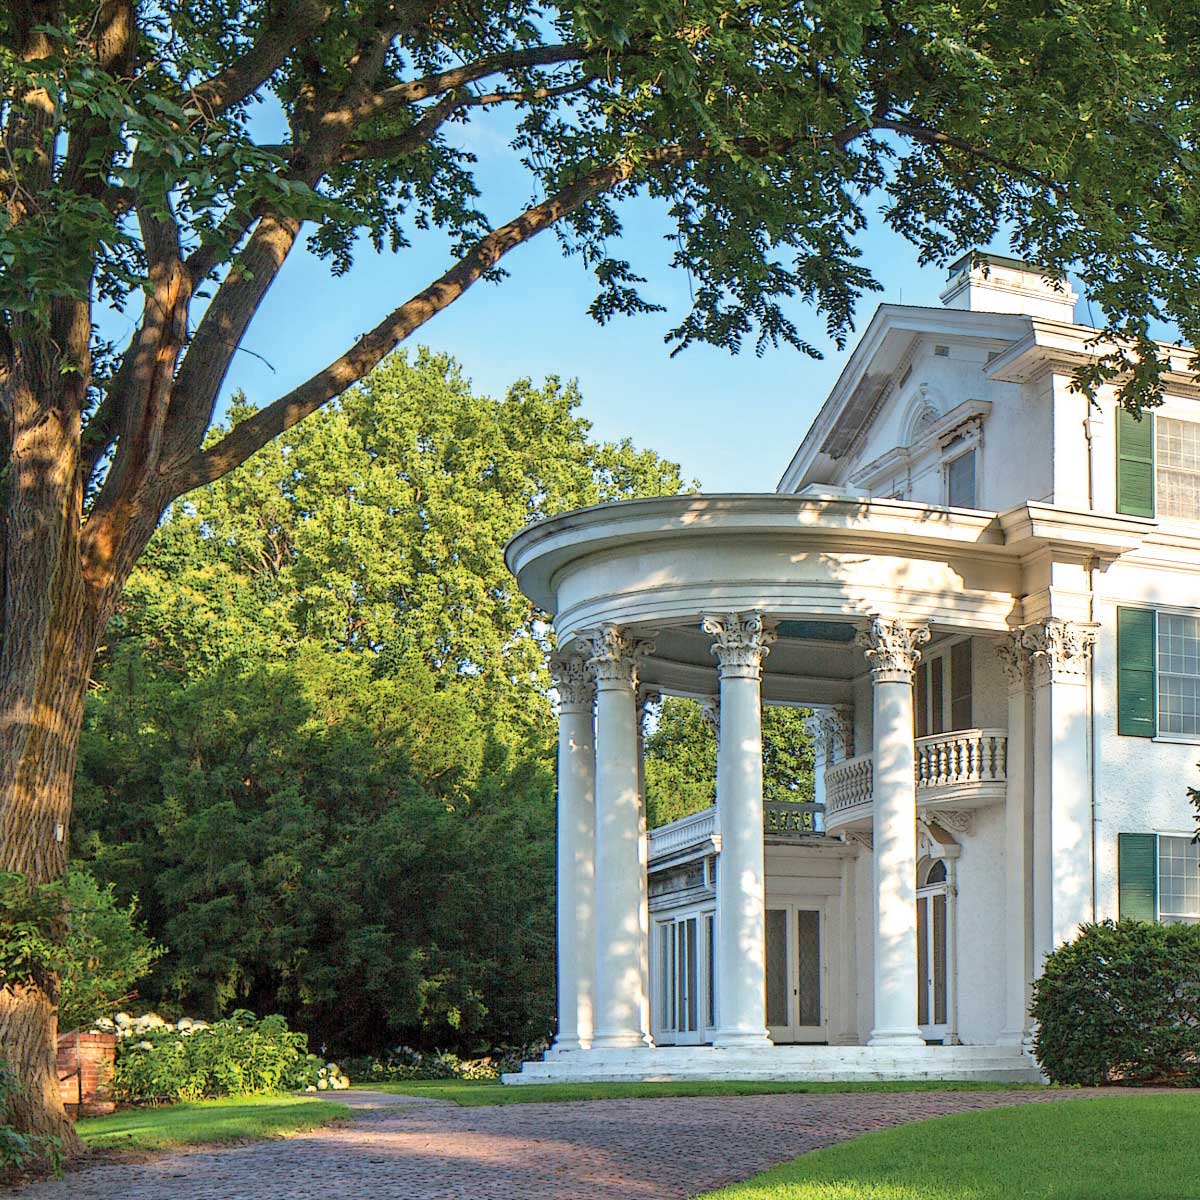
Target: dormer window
(960, 481)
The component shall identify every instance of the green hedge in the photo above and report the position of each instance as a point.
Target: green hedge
(1121, 1004)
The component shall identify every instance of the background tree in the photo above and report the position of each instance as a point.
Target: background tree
(318, 748)
(681, 759)
(137, 172)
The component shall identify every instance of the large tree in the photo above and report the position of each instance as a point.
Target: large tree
(142, 168)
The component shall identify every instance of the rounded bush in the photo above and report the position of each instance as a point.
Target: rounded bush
(1121, 1004)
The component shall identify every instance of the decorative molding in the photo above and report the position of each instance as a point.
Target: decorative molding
(740, 641)
(953, 820)
(573, 682)
(1015, 662)
(614, 657)
(892, 646)
(832, 731)
(1060, 651)
(840, 719)
(860, 837)
(814, 726)
(710, 714)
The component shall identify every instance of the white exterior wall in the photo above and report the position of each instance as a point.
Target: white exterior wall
(979, 950)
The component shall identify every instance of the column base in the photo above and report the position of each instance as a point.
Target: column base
(566, 1045)
(618, 1041)
(896, 1037)
(741, 1039)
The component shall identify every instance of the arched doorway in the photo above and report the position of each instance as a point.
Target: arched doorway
(933, 949)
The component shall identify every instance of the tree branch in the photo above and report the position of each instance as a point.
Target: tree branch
(294, 22)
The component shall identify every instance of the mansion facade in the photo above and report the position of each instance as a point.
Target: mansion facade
(986, 590)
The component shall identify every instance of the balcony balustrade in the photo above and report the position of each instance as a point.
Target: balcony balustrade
(964, 766)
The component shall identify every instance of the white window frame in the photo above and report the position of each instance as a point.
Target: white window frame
(1174, 917)
(1158, 467)
(663, 957)
(1161, 735)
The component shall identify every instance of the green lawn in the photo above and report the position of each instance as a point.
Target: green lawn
(471, 1094)
(1107, 1148)
(229, 1120)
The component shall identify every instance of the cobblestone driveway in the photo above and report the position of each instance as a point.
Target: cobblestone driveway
(602, 1150)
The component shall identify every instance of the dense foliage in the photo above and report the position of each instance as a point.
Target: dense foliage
(20, 1150)
(681, 759)
(1121, 1003)
(100, 956)
(239, 1056)
(320, 751)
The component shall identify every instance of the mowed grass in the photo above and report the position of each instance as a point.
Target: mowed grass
(472, 1094)
(237, 1119)
(1106, 1148)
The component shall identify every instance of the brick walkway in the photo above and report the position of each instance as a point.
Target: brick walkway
(603, 1150)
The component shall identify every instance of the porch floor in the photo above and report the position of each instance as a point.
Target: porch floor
(817, 1064)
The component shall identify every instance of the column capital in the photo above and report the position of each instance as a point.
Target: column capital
(573, 682)
(1014, 660)
(1060, 651)
(614, 657)
(740, 641)
(710, 714)
(892, 646)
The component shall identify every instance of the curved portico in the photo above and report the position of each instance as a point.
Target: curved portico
(821, 602)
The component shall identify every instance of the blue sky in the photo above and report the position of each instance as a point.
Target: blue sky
(731, 422)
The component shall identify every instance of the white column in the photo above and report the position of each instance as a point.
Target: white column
(620, 936)
(576, 850)
(644, 698)
(740, 644)
(1061, 654)
(892, 646)
(1018, 844)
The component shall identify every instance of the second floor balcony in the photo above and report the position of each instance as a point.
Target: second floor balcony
(965, 768)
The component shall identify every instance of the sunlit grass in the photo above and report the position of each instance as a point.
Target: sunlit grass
(230, 1120)
(471, 1093)
(1106, 1148)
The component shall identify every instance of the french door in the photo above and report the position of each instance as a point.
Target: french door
(932, 955)
(795, 977)
(683, 993)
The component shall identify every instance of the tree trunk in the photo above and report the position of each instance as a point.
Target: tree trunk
(47, 644)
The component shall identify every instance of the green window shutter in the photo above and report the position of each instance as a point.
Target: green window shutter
(1135, 464)
(1136, 682)
(1137, 876)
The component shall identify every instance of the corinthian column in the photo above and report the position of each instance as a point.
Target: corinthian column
(740, 643)
(1061, 656)
(892, 647)
(576, 893)
(614, 659)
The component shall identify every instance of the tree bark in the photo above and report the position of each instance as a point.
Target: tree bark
(47, 644)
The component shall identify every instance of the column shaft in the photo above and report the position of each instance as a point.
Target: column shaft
(576, 852)
(892, 647)
(740, 643)
(1018, 845)
(620, 935)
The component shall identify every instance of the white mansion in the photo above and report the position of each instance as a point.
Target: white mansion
(987, 590)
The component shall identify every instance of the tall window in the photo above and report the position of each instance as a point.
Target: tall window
(1178, 880)
(1177, 467)
(1178, 674)
(960, 481)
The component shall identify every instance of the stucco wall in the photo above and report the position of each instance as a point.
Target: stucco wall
(980, 928)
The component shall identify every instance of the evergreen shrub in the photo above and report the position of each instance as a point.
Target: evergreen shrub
(1121, 1004)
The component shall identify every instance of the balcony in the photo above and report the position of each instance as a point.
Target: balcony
(966, 768)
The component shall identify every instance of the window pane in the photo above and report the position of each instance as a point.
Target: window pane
(960, 686)
(1178, 880)
(961, 481)
(692, 978)
(937, 696)
(1178, 674)
(1177, 467)
(777, 967)
(710, 938)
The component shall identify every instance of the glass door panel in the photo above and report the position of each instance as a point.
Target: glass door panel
(778, 971)
(808, 944)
